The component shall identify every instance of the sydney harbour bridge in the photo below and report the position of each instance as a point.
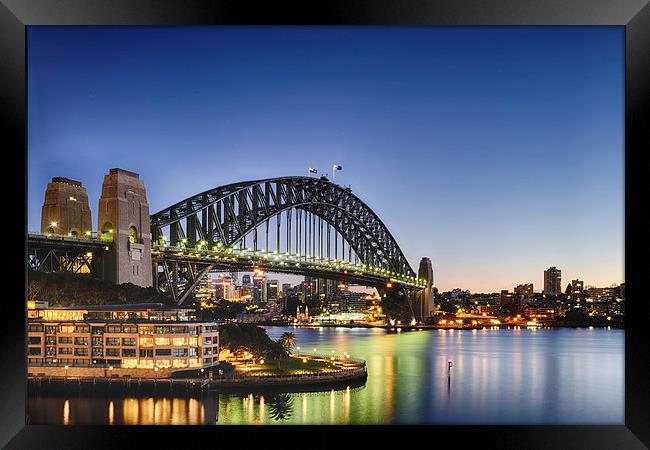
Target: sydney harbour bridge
(294, 225)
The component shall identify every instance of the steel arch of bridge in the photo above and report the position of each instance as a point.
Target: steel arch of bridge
(226, 215)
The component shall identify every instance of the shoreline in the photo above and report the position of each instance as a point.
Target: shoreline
(280, 383)
(436, 327)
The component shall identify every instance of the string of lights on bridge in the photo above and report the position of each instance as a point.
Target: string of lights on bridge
(286, 259)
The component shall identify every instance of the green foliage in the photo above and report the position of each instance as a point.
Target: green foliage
(288, 340)
(241, 338)
(66, 289)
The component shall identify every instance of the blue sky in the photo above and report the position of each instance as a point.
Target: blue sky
(495, 151)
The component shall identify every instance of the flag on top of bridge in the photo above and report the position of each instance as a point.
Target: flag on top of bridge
(312, 170)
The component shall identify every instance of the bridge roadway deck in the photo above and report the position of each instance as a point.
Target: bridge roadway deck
(61, 241)
(337, 270)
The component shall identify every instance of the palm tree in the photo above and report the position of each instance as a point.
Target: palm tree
(280, 406)
(276, 351)
(288, 340)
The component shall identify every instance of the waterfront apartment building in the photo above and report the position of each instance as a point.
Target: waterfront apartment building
(553, 281)
(137, 336)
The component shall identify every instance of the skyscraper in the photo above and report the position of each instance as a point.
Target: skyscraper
(259, 289)
(553, 281)
(272, 290)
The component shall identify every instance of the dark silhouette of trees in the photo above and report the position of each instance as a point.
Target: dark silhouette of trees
(280, 406)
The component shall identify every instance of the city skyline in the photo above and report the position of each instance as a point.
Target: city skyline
(428, 125)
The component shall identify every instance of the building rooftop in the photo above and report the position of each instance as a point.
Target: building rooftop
(124, 307)
(126, 172)
(66, 180)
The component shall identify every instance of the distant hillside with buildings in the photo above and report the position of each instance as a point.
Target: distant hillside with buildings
(65, 289)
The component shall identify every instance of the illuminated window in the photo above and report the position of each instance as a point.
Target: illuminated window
(133, 235)
(146, 342)
(130, 363)
(146, 364)
(179, 341)
(163, 341)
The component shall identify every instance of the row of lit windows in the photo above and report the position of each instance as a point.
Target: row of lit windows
(144, 353)
(131, 329)
(128, 362)
(113, 341)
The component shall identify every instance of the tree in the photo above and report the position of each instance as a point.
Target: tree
(280, 406)
(242, 338)
(277, 352)
(288, 340)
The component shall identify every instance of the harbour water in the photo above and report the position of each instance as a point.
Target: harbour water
(498, 376)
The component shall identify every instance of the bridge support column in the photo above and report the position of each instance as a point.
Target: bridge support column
(425, 300)
(123, 218)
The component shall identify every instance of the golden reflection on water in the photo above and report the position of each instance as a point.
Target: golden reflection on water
(66, 412)
(262, 412)
(346, 405)
(407, 383)
(160, 411)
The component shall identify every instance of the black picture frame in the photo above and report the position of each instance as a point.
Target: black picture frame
(15, 15)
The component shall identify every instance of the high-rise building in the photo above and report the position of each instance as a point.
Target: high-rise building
(259, 289)
(507, 297)
(205, 289)
(553, 281)
(272, 290)
(225, 287)
(310, 288)
(577, 286)
(576, 291)
(524, 290)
